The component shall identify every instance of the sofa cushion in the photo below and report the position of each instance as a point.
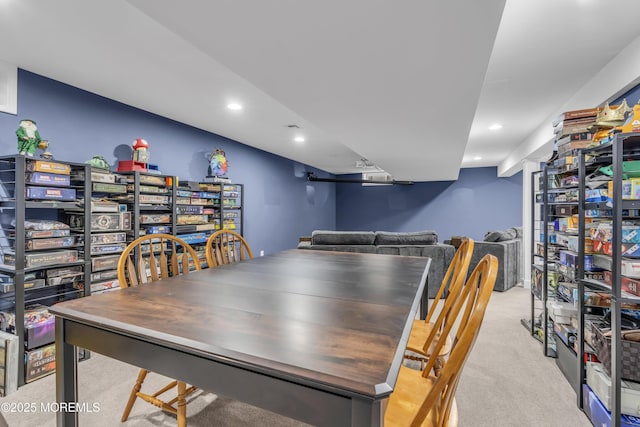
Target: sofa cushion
(412, 238)
(363, 249)
(326, 237)
(500, 236)
(406, 250)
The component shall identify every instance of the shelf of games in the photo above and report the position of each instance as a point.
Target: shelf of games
(203, 207)
(609, 306)
(62, 228)
(43, 258)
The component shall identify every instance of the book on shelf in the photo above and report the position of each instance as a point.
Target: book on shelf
(573, 127)
(576, 114)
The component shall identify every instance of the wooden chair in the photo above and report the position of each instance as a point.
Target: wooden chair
(226, 247)
(147, 259)
(421, 399)
(424, 332)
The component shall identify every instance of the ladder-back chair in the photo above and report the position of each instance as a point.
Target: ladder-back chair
(226, 247)
(147, 259)
(421, 399)
(424, 332)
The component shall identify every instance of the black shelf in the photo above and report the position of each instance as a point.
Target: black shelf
(18, 208)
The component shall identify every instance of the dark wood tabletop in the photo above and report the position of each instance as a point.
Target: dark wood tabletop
(334, 320)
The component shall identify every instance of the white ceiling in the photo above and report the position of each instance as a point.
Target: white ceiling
(411, 85)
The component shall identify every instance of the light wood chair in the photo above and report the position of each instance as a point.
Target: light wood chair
(147, 259)
(424, 332)
(226, 247)
(422, 399)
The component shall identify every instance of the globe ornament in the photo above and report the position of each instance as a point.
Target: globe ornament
(218, 164)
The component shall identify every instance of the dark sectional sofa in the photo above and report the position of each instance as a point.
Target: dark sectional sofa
(506, 245)
(420, 243)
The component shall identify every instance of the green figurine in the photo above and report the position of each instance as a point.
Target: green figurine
(28, 137)
(98, 162)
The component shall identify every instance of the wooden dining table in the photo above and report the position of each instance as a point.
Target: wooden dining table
(316, 336)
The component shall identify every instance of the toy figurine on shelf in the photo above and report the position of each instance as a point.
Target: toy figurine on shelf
(218, 162)
(140, 150)
(218, 166)
(98, 162)
(28, 137)
(44, 146)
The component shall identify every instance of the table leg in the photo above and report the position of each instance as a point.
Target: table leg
(66, 377)
(366, 413)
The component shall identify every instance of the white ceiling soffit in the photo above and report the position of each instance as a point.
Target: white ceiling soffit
(114, 50)
(396, 82)
(546, 55)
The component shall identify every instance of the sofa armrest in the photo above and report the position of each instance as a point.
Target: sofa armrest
(508, 254)
(441, 255)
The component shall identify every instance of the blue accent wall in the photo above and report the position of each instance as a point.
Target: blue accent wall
(280, 205)
(477, 202)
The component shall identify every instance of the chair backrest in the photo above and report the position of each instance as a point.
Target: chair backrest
(475, 297)
(226, 247)
(455, 275)
(453, 282)
(154, 257)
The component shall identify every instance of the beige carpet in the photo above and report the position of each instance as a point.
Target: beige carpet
(506, 382)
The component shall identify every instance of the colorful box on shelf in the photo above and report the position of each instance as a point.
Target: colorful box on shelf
(43, 259)
(108, 249)
(193, 238)
(568, 291)
(102, 276)
(572, 242)
(157, 229)
(567, 333)
(604, 232)
(105, 177)
(598, 414)
(108, 262)
(195, 210)
(28, 284)
(597, 195)
(630, 268)
(553, 238)
(567, 210)
(64, 275)
(155, 218)
(131, 166)
(570, 258)
(561, 312)
(103, 221)
(51, 167)
(48, 178)
(630, 189)
(40, 362)
(51, 243)
(150, 198)
(103, 187)
(631, 286)
(39, 325)
(606, 248)
(600, 383)
(51, 193)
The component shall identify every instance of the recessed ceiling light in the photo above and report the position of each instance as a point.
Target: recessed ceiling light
(299, 139)
(234, 106)
(495, 126)
(477, 158)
